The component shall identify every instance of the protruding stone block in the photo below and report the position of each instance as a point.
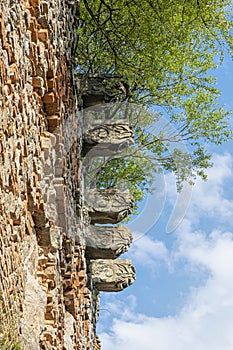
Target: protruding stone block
(107, 242)
(108, 206)
(108, 138)
(112, 275)
(103, 88)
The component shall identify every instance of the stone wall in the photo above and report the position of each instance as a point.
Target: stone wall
(42, 269)
(51, 272)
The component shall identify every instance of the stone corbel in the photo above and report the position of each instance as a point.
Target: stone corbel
(107, 242)
(108, 138)
(102, 88)
(108, 206)
(112, 275)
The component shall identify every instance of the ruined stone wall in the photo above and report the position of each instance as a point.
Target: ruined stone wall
(54, 259)
(43, 267)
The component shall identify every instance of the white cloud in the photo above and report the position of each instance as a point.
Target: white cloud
(205, 198)
(204, 322)
(148, 252)
(214, 252)
(209, 198)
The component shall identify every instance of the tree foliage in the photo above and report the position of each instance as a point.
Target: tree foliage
(165, 50)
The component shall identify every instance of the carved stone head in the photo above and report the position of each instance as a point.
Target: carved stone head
(103, 88)
(107, 242)
(108, 206)
(107, 138)
(112, 275)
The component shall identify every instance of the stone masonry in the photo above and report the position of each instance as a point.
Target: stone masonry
(50, 277)
(41, 265)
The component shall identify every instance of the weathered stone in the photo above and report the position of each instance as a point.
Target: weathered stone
(32, 322)
(107, 139)
(112, 275)
(107, 242)
(69, 323)
(102, 88)
(108, 206)
(43, 273)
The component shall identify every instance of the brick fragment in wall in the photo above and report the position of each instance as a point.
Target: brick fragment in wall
(40, 262)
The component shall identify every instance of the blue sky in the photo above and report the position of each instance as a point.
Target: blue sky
(183, 296)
